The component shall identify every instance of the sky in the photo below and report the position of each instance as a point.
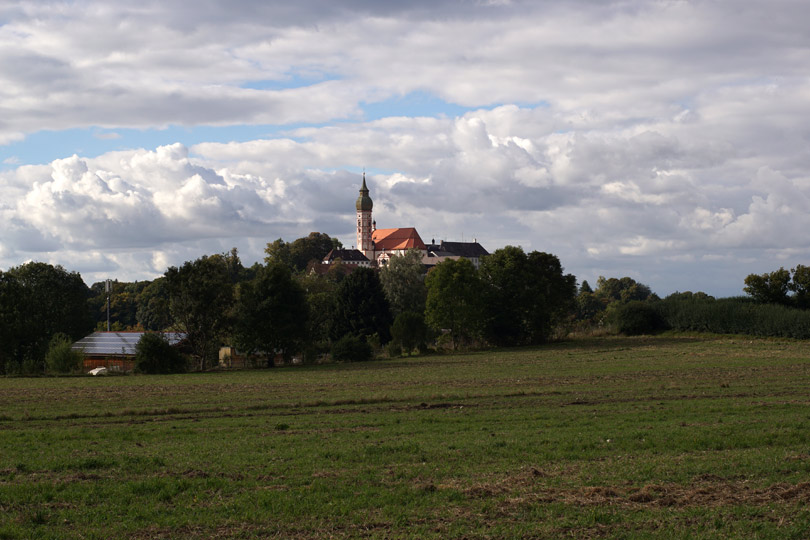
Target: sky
(667, 141)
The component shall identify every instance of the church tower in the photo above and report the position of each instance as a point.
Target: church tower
(364, 223)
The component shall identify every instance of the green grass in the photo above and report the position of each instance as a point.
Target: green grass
(668, 437)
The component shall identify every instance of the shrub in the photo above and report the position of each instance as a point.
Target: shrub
(738, 315)
(394, 349)
(351, 349)
(153, 354)
(409, 331)
(637, 317)
(60, 357)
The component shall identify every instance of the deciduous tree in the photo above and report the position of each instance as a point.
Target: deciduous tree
(153, 306)
(800, 285)
(361, 308)
(403, 280)
(409, 331)
(49, 300)
(527, 295)
(154, 354)
(298, 253)
(271, 313)
(201, 300)
(623, 289)
(454, 300)
(769, 288)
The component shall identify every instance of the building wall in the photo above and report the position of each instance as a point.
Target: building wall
(113, 363)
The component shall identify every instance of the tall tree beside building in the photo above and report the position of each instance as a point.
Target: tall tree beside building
(300, 252)
(403, 280)
(361, 308)
(321, 296)
(201, 302)
(271, 313)
(454, 301)
(40, 300)
(552, 295)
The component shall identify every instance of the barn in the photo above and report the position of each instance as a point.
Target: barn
(115, 350)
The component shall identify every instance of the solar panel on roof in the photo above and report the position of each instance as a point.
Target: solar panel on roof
(118, 343)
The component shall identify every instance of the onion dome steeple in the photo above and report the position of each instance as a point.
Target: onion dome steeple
(364, 203)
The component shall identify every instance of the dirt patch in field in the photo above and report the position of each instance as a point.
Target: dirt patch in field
(705, 491)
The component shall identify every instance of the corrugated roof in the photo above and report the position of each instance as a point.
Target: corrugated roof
(118, 343)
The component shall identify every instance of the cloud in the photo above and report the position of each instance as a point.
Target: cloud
(636, 138)
(161, 64)
(109, 136)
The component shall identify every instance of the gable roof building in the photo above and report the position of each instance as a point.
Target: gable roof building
(401, 239)
(379, 245)
(437, 253)
(115, 350)
(468, 250)
(346, 256)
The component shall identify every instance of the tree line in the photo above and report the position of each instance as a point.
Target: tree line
(776, 304)
(284, 307)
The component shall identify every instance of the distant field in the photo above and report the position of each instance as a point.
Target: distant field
(670, 437)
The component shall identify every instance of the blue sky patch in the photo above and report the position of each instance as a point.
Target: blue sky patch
(413, 105)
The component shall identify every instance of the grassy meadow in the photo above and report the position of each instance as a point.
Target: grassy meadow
(665, 437)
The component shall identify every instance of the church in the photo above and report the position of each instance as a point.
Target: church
(376, 246)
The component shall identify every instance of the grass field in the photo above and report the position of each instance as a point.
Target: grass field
(667, 437)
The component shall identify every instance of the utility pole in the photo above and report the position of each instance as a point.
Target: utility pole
(108, 289)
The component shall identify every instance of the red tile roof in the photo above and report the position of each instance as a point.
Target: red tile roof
(392, 239)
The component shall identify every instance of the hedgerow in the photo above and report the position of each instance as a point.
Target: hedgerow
(737, 315)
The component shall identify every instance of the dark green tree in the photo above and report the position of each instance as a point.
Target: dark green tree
(585, 287)
(409, 331)
(454, 300)
(351, 348)
(278, 252)
(13, 307)
(153, 311)
(51, 300)
(201, 301)
(271, 313)
(361, 308)
(123, 303)
(154, 354)
(61, 358)
(403, 280)
(623, 289)
(551, 293)
(300, 252)
(506, 274)
(527, 296)
(800, 285)
(769, 288)
(699, 296)
(321, 298)
(636, 317)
